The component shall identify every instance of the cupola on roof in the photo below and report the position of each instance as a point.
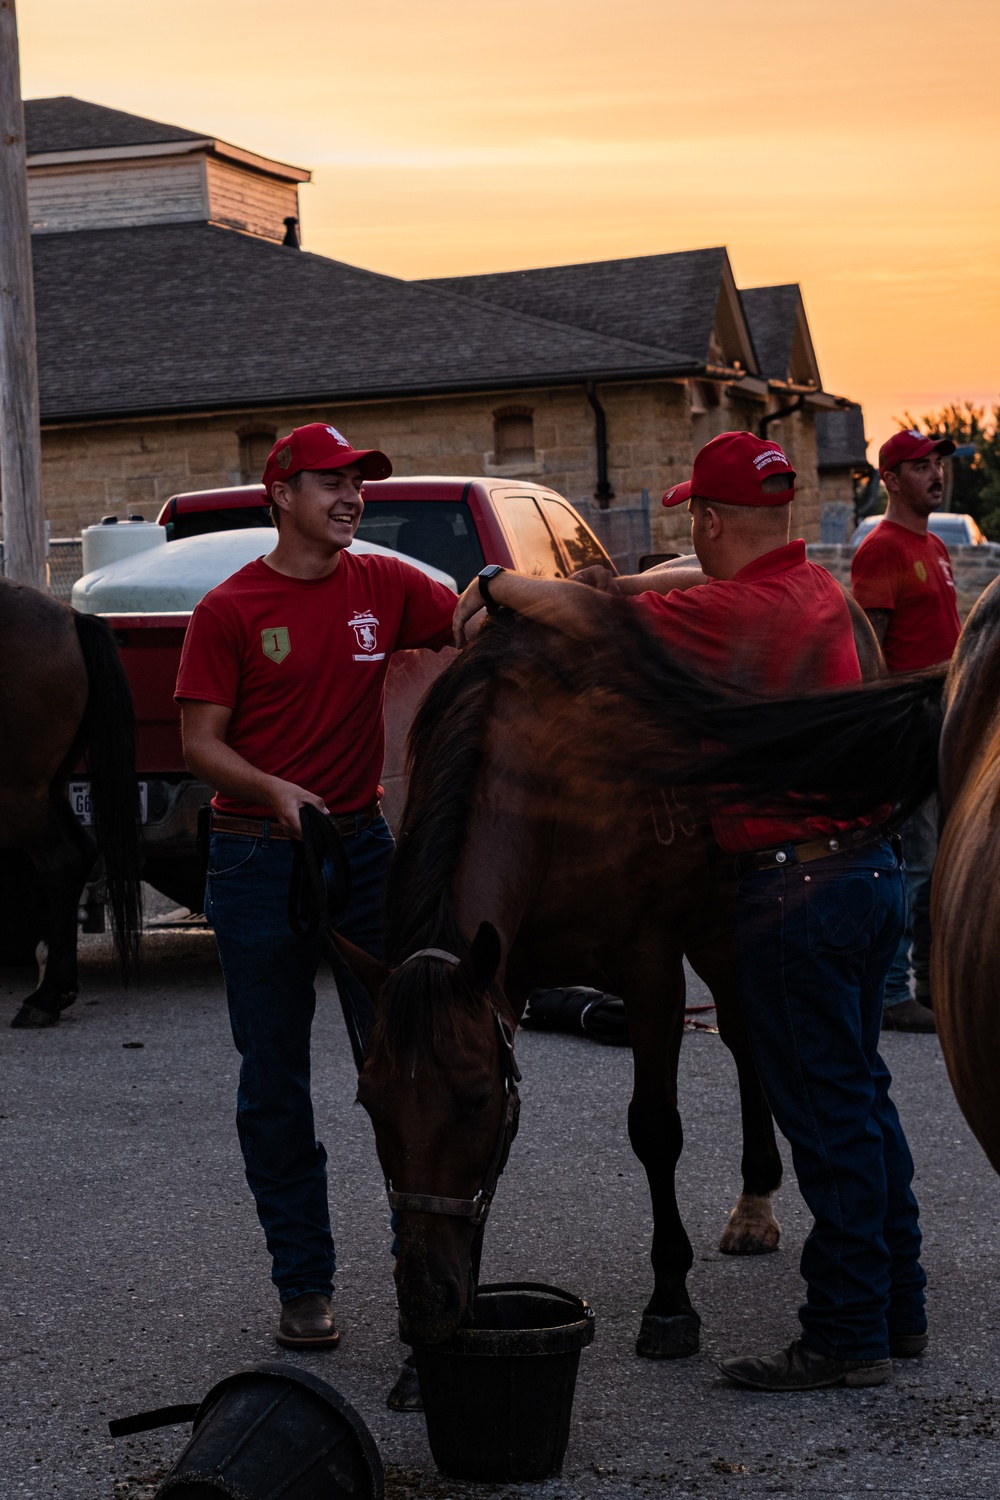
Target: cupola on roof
(90, 167)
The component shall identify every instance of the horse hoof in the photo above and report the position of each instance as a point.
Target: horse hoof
(668, 1338)
(33, 1015)
(405, 1394)
(752, 1228)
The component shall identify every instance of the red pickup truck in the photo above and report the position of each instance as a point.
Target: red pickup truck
(455, 525)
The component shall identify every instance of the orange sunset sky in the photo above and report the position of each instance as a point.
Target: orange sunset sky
(851, 147)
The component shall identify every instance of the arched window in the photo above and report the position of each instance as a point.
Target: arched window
(255, 444)
(514, 435)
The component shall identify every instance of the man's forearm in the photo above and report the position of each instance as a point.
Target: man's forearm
(576, 611)
(677, 573)
(224, 770)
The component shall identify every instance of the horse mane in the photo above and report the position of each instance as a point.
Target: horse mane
(650, 719)
(444, 756)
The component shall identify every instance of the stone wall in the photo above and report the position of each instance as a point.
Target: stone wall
(132, 467)
(974, 568)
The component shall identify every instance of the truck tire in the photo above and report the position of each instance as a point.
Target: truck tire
(22, 909)
(180, 880)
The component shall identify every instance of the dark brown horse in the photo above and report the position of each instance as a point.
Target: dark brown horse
(63, 694)
(965, 895)
(542, 843)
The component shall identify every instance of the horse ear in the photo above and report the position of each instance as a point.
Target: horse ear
(483, 959)
(371, 972)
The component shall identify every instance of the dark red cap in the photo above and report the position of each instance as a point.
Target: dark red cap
(909, 444)
(317, 446)
(731, 469)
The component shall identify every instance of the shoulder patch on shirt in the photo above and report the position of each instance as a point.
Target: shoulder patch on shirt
(275, 642)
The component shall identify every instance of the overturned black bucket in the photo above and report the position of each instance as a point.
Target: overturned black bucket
(268, 1432)
(498, 1396)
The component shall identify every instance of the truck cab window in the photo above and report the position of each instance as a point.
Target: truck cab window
(580, 545)
(438, 532)
(534, 546)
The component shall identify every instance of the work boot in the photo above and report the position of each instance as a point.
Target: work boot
(908, 1016)
(907, 1345)
(799, 1368)
(307, 1323)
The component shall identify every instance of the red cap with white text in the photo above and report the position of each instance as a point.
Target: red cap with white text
(732, 468)
(909, 444)
(318, 446)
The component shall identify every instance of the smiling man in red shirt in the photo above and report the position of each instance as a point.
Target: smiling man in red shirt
(901, 576)
(281, 689)
(818, 915)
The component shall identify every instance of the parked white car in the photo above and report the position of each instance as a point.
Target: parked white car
(956, 529)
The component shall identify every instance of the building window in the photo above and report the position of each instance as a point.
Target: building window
(255, 444)
(514, 435)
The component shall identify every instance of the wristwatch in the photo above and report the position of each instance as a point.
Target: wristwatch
(486, 575)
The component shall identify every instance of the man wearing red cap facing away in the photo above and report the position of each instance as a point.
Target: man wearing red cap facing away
(818, 916)
(901, 576)
(281, 686)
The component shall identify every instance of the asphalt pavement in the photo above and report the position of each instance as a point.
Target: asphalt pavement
(135, 1275)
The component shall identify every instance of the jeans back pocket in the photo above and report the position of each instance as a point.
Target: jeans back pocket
(840, 911)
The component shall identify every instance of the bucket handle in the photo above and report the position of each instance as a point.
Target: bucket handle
(145, 1421)
(540, 1286)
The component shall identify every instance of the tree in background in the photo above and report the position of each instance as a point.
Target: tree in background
(976, 480)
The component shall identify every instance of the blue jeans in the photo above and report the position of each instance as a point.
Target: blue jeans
(920, 838)
(269, 973)
(814, 943)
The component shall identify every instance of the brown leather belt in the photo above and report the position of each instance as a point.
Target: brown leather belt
(346, 824)
(803, 854)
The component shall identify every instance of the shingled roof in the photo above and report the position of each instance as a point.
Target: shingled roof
(771, 312)
(840, 439)
(63, 123)
(666, 301)
(187, 317)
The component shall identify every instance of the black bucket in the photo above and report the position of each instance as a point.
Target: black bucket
(498, 1396)
(268, 1432)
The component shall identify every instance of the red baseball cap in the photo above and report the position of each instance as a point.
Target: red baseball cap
(731, 469)
(909, 444)
(317, 446)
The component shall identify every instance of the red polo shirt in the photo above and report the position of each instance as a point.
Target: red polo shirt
(780, 627)
(302, 664)
(910, 575)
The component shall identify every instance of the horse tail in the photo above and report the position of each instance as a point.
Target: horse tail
(108, 734)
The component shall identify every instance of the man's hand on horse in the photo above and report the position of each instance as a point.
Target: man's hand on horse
(470, 604)
(597, 576)
(286, 800)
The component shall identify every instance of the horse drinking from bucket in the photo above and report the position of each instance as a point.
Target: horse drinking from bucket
(65, 694)
(542, 841)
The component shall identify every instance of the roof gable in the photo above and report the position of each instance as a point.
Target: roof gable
(780, 330)
(685, 301)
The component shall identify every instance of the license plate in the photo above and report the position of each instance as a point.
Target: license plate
(79, 801)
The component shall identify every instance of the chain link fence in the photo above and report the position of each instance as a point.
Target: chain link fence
(64, 561)
(622, 530)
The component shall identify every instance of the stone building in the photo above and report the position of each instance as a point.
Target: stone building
(180, 329)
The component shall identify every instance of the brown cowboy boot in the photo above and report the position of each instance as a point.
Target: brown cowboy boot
(307, 1323)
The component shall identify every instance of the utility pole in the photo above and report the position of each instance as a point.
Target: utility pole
(20, 440)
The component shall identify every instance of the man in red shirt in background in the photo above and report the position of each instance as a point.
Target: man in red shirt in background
(901, 576)
(281, 688)
(818, 916)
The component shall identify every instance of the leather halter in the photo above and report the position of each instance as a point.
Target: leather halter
(474, 1209)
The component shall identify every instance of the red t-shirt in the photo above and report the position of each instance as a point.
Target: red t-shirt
(302, 664)
(780, 627)
(896, 569)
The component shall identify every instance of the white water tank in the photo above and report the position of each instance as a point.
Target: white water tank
(114, 539)
(175, 577)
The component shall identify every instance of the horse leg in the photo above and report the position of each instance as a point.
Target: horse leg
(669, 1327)
(63, 857)
(752, 1227)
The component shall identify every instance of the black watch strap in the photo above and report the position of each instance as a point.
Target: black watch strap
(485, 576)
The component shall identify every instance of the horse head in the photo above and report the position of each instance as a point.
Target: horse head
(439, 1084)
